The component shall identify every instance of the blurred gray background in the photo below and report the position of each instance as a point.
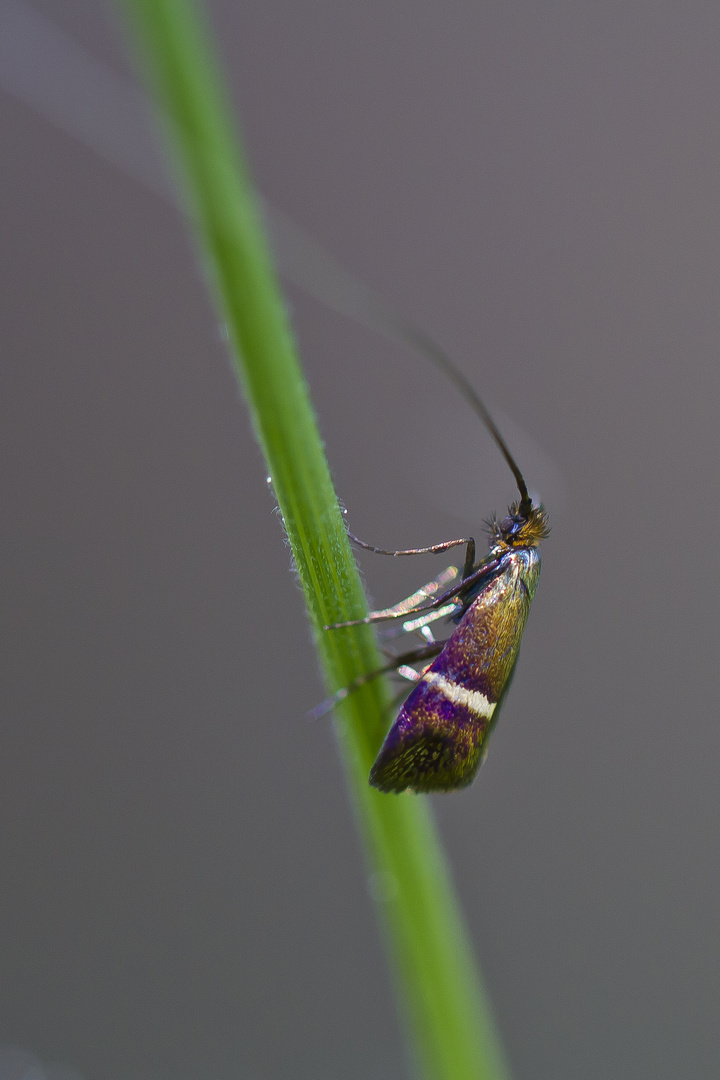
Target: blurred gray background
(182, 890)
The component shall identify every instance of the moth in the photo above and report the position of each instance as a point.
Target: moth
(440, 736)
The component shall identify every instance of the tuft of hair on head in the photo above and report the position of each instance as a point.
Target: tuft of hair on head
(519, 528)
(535, 529)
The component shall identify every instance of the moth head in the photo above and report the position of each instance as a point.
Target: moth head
(519, 528)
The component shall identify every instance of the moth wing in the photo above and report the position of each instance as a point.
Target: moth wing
(439, 739)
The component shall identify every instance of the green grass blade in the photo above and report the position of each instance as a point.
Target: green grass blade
(447, 1019)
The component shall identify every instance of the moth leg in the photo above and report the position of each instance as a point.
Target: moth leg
(419, 625)
(478, 573)
(410, 604)
(417, 599)
(434, 549)
(399, 664)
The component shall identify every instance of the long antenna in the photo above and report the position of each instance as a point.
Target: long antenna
(434, 352)
(304, 262)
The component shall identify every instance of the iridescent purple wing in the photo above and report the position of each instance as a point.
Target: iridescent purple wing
(440, 736)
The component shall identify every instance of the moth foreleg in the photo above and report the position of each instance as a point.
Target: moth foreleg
(434, 549)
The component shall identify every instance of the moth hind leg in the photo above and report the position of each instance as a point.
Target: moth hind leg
(400, 664)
